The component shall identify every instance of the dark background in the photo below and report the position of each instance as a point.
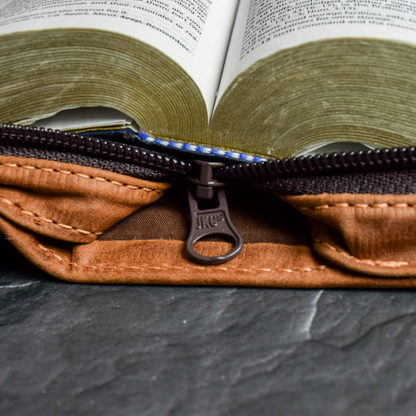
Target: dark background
(71, 349)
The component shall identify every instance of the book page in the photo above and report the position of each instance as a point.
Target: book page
(91, 118)
(264, 27)
(194, 33)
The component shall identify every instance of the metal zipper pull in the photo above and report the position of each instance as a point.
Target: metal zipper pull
(210, 215)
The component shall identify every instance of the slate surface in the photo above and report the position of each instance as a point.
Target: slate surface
(68, 349)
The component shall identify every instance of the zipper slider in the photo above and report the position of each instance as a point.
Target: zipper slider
(209, 214)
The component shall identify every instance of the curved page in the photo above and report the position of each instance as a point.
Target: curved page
(194, 33)
(264, 27)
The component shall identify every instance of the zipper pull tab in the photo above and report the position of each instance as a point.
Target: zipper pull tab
(210, 215)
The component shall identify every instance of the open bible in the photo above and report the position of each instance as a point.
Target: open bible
(266, 77)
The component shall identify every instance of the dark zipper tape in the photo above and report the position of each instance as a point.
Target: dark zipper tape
(377, 182)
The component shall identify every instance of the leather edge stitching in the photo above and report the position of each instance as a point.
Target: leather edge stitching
(363, 206)
(81, 175)
(378, 263)
(254, 269)
(33, 214)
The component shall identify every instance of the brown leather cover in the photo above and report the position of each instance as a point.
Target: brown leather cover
(54, 213)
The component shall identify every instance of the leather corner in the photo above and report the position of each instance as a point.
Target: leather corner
(374, 234)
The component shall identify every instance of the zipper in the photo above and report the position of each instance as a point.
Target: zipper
(207, 180)
(209, 214)
(18, 136)
(335, 163)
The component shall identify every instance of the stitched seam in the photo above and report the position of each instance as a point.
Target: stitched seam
(253, 269)
(378, 263)
(32, 214)
(81, 175)
(362, 206)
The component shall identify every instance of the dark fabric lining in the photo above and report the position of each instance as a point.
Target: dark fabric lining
(260, 217)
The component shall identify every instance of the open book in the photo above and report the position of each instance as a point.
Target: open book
(266, 77)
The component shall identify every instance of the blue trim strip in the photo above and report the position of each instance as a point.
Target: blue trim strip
(196, 149)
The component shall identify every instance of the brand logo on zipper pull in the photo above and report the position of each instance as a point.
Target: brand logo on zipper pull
(209, 221)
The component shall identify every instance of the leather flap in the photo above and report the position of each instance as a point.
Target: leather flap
(66, 201)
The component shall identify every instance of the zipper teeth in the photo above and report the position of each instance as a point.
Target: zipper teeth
(345, 162)
(11, 134)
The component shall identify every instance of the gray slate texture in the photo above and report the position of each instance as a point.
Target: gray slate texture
(72, 349)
